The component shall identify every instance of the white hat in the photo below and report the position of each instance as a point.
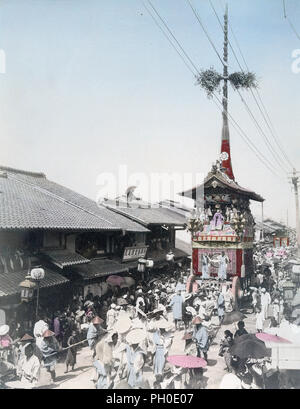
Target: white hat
(122, 325)
(162, 323)
(140, 291)
(79, 313)
(4, 329)
(136, 336)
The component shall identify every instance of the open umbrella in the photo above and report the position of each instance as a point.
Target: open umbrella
(233, 316)
(115, 280)
(271, 338)
(248, 345)
(187, 361)
(128, 281)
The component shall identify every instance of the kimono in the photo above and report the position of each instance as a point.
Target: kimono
(176, 303)
(49, 350)
(276, 312)
(205, 267)
(200, 335)
(135, 363)
(5, 341)
(159, 358)
(72, 352)
(110, 318)
(265, 300)
(259, 321)
(30, 371)
(102, 382)
(228, 301)
(162, 343)
(218, 221)
(221, 303)
(39, 328)
(93, 335)
(222, 271)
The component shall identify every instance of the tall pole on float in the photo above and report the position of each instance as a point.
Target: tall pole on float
(295, 182)
(225, 144)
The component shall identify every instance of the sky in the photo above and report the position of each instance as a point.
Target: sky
(92, 85)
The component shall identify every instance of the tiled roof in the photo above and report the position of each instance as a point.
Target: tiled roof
(226, 182)
(64, 258)
(30, 201)
(99, 268)
(9, 282)
(152, 215)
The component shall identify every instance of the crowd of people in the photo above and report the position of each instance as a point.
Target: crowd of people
(133, 328)
(133, 324)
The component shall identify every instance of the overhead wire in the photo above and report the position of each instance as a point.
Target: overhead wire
(170, 42)
(246, 139)
(242, 133)
(263, 108)
(173, 36)
(205, 31)
(289, 21)
(273, 152)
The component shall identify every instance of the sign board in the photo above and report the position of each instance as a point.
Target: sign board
(296, 269)
(286, 356)
(134, 253)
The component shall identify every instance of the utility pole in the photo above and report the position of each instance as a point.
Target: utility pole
(295, 182)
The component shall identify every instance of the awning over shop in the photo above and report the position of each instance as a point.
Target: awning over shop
(9, 282)
(160, 256)
(64, 258)
(99, 268)
(180, 254)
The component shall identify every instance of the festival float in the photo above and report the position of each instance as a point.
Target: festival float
(221, 225)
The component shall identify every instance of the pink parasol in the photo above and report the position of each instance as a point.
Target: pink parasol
(187, 361)
(271, 338)
(115, 280)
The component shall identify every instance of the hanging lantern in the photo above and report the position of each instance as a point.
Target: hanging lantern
(149, 263)
(37, 274)
(170, 256)
(288, 290)
(141, 265)
(27, 289)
